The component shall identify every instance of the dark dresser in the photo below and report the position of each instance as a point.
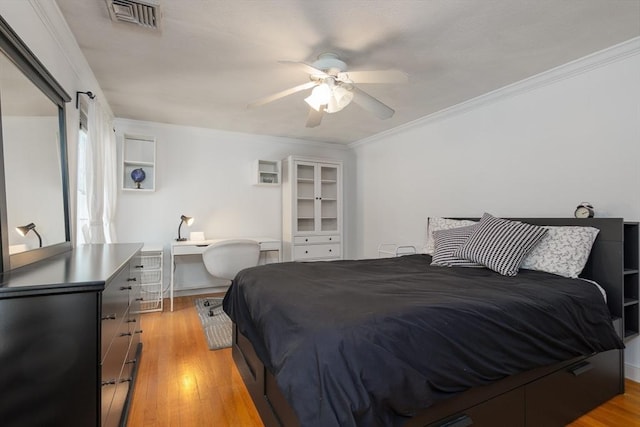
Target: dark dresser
(70, 338)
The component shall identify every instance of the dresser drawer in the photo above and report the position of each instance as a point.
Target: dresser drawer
(317, 251)
(116, 351)
(303, 240)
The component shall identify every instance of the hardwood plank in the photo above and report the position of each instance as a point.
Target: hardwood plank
(181, 383)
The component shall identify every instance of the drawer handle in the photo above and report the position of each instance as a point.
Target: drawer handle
(462, 421)
(139, 266)
(139, 331)
(109, 317)
(306, 240)
(306, 252)
(125, 380)
(128, 362)
(139, 299)
(329, 250)
(132, 320)
(581, 368)
(131, 279)
(125, 288)
(125, 334)
(109, 382)
(329, 238)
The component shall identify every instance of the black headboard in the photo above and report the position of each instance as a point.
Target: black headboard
(606, 261)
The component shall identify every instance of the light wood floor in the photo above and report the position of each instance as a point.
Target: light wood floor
(181, 383)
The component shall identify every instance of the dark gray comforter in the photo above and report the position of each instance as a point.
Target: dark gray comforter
(370, 342)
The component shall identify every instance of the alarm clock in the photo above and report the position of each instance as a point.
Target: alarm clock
(584, 210)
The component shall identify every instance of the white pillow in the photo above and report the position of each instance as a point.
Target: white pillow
(563, 251)
(436, 224)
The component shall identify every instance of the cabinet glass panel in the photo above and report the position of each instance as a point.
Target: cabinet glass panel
(329, 224)
(305, 173)
(306, 209)
(329, 174)
(306, 224)
(305, 190)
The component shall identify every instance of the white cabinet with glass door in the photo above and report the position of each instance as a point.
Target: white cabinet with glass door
(312, 209)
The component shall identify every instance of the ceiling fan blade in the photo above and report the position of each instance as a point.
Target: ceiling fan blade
(381, 76)
(281, 94)
(308, 68)
(315, 117)
(371, 104)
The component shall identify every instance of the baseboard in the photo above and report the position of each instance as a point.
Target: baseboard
(632, 372)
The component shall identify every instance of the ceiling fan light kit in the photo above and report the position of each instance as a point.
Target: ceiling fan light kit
(333, 88)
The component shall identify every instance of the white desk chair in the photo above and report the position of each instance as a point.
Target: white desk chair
(226, 258)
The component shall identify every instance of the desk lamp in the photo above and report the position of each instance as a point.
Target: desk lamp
(187, 220)
(24, 229)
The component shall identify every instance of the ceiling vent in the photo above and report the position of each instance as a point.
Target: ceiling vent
(144, 13)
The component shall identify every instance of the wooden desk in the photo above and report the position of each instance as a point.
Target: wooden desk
(191, 247)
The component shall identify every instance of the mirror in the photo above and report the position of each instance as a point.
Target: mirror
(32, 164)
(34, 210)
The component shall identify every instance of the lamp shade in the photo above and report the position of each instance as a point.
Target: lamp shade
(187, 219)
(320, 95)
(340, 98)
(24, 229)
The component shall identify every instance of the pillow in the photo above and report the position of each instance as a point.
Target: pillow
(437, 223)
(446, 242)
(563, 251)
(500, 244)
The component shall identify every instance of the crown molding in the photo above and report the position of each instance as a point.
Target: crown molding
(571, 69)
(142, 126)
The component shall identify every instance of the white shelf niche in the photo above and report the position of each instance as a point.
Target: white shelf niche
(267, 172)
(139, 152)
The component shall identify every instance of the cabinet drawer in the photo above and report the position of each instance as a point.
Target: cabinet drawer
(302, 240)
(317, 251)
(189, 249)
(566, 394)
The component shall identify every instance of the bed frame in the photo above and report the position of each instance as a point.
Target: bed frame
(549, 396)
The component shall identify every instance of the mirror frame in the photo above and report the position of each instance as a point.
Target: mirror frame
(20, 54)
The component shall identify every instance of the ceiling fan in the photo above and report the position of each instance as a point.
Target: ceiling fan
(333, 88)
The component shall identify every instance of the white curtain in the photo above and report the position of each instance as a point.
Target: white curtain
(101, 181)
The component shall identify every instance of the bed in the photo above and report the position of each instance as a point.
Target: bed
(369, 343)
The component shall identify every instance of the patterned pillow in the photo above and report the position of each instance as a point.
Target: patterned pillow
(563, 251)
(437, 223)
(446, 242)
(500, 244)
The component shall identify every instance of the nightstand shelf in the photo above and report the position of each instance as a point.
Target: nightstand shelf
(631, 278)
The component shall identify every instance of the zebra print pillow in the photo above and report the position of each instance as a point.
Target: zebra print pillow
(500, 244)
(446, 242)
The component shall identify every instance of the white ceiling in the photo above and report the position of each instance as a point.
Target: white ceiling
(213, 57)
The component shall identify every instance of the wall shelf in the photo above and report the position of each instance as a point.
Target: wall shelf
(139, 152)
(267, 172)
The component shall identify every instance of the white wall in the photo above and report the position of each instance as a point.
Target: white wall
(209, 174)
(572, 135)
